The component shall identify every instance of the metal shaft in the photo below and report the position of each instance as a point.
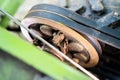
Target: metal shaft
(51, 46)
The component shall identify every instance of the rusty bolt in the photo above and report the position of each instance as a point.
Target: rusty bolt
(82, 56)
(75, 60)
(75, 47)
(58, 38)
(47, 30)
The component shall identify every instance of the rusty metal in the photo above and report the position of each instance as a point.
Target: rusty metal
(83, 56)
(44, 41)
(58, 38)
(75, 47)
(76, 60)
(46, 48)
(70, 34)
(64, 46)
(78, 51)
(46, 30)
(61, 42)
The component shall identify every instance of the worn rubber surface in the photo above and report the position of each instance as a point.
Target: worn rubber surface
(102, 33)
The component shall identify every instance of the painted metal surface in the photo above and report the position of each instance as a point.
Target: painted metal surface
(38, 59)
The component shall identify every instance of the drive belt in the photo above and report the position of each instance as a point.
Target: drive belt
(77, 22)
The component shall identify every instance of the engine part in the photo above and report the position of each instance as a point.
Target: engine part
(94, 58)
(57, 26)
(78, 23)
(48, 44)
(30, 59)
(83, 26)
(32, 18)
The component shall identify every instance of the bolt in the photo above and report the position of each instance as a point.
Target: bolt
(58, 38)
(47, 30)
(82, 56)
(76, 60)
(75, 47)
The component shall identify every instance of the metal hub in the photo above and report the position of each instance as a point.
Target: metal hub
(71, 43)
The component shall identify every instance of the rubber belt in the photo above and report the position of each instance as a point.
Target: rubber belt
(76, 26)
